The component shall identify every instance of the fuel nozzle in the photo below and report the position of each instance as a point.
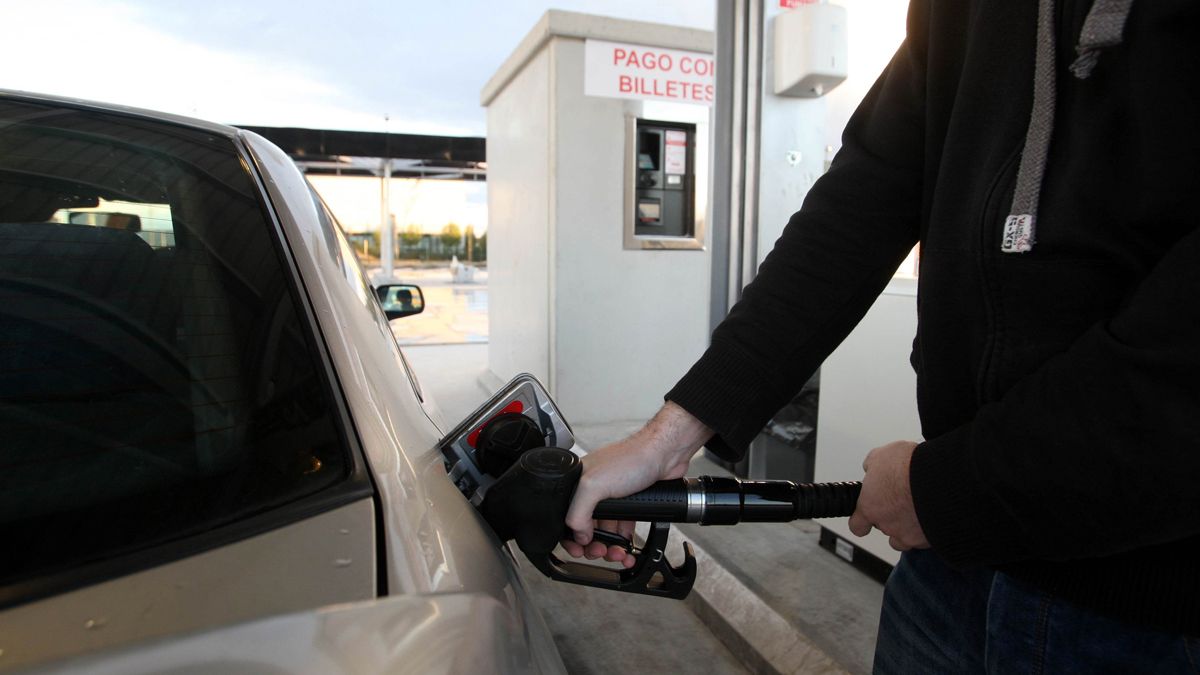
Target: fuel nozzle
(529, 503)
(718, 500)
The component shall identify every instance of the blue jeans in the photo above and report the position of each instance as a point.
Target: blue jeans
(939, 620)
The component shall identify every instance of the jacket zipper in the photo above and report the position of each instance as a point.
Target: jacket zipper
(990, 227)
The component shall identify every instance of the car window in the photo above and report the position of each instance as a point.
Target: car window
(156, 380)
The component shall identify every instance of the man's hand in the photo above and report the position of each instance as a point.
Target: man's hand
(660, 450)
(886, 500)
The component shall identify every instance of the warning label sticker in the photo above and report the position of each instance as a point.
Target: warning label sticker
(675, 160)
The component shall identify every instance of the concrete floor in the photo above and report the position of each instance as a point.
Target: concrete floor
(604, 632)
(768, 598)
(832, 604)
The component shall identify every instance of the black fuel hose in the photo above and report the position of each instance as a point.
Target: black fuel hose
(717, 500)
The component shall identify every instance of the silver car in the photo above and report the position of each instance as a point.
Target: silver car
(207, 430)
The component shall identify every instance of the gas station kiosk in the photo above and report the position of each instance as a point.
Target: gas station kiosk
(598, 145)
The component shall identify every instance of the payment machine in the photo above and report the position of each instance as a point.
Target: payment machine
(663, 205)
(665, 184)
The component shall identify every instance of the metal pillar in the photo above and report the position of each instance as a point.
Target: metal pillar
(736, 117)
(387, 235)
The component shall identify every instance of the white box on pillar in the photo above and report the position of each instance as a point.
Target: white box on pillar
(597, 151)
(811, 52)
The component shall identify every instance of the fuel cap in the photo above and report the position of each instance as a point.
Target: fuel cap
(503, 439)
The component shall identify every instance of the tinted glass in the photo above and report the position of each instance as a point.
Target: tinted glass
(155, 378)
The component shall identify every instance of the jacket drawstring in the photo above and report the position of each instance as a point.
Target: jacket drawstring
(1102, 28)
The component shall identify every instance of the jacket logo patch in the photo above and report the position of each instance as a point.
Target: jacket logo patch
(1018, 234)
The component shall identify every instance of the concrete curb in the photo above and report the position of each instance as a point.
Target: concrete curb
(758, 635)
(490, 381)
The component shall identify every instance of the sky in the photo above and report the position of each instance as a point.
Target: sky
(401, 66)
(332, 65)
(429, 204)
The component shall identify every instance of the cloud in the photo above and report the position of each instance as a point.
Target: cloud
(111, 52)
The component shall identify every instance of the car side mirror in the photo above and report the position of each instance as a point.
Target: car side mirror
(400, 300)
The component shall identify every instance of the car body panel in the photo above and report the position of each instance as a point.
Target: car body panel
(436, 542)
(325, 559)
(448, 633)
(456, 551)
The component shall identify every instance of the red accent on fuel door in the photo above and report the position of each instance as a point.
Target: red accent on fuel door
(514, 407)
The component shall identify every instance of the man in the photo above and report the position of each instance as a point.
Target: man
(1053, 192)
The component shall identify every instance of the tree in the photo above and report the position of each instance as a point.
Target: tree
(451, 237)
(470, 239)
(411, 236)
(481, 248)
(410, 241)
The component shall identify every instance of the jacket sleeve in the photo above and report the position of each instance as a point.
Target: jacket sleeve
(1095, 453)
(835, 256)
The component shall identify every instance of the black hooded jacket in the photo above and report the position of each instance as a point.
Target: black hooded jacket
(1059, 389)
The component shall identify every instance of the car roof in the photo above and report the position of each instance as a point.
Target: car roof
(203, 125)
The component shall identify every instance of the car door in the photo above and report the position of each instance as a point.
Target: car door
(176, 454)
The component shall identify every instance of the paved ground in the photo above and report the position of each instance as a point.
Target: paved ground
(605, 633)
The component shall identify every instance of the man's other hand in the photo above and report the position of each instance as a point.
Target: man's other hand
(886, 500)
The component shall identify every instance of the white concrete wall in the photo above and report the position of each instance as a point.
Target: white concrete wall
(609, 331)
(868, 398)
(868, 389)
(520, 239)
(627, 323)
(875, 29)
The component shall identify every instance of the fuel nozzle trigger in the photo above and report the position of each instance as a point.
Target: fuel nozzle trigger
(652, 574)
(528, 504)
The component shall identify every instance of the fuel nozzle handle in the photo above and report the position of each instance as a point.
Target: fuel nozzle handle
(717, 500)
(528, 505)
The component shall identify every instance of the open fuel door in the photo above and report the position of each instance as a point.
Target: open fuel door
(513, 459)
(524, 397)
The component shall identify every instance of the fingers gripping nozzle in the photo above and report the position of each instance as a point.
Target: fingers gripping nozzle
(528, 504)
